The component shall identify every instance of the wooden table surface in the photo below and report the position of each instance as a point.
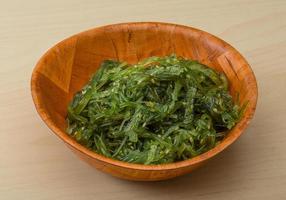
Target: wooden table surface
(34, 163)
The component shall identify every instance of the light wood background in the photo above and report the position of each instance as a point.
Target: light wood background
(34, 163)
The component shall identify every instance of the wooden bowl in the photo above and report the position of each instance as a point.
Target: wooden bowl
(65, 68)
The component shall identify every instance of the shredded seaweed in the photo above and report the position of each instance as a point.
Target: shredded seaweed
(160, 110)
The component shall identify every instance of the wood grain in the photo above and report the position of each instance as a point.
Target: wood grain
(74, 60)
(34, 164)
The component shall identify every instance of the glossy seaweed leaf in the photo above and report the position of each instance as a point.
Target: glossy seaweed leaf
(161, 110)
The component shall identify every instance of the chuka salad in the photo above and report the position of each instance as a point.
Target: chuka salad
(160, 110)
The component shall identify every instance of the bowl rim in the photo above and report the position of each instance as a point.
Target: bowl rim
(233, 134)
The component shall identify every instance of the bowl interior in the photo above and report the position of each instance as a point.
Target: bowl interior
(66, 67)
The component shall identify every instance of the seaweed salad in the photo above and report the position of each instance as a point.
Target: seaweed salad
(160, 110)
